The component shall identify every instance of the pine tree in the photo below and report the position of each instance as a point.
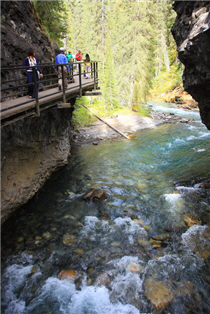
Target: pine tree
(53, 16)
(132, 41)
(109, 81)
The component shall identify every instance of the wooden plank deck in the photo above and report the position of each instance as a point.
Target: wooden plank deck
(11, 107)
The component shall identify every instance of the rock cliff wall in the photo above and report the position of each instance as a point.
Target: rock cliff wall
(31, 149)
(191, 32)
(20, 30)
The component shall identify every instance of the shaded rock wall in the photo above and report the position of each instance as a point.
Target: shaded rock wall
(20, 30)
(32, 149)
(191, 32)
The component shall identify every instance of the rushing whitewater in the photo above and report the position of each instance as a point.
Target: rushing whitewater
(144, 249)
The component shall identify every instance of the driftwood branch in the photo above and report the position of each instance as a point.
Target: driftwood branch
(112, 127)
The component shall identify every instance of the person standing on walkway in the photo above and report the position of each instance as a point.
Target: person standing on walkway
(31, 61)
(87, 66)
(78, 58)
(70, 58)
(61, 59)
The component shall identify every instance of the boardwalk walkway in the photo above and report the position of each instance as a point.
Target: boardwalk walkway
(18, 108)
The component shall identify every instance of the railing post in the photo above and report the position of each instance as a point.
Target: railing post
(80, 81)
(63, 85)
(94, 68)
(91, 70)
(37, 109)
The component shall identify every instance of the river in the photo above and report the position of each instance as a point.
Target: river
(143, 249)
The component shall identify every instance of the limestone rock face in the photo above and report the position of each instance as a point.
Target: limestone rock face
(32, 149)
(191, 32)
(21, 30)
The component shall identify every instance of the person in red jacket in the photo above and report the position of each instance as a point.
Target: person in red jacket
(78, 58)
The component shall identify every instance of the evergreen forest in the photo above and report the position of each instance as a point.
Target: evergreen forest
(131, 39)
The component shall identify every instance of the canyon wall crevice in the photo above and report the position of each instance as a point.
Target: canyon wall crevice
(191, 32)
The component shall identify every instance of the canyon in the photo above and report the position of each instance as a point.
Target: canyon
(33, 148)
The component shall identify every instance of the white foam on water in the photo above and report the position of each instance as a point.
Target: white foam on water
(13, 280)
(104, 231)
(130, 227)
(94, 227)
(179, 141)
(122, 264)
(172, 197)
(88, 300)
(174, 267)
(186, 188)
(95, 300)
(204, 135)
(127, 287)
(191, 137)
(127, 284)
(173, 201)
(199, 150)
(200, 135)
(165, 265)
(194, 237)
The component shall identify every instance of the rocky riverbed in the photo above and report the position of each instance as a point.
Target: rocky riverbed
(126, 124)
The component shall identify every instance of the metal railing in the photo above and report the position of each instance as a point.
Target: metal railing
(13, 82)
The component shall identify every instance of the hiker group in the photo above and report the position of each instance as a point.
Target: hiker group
(67, 60)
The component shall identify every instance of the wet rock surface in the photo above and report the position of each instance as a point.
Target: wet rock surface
(158, 294)
(191, 32)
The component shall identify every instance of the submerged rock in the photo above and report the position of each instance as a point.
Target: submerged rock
(203, 254)
(191, 219)
(158, 294)
(155, 243)
(69, 274)
(79, 251)
(184, 288)
(69, 239)
(204, 186)
(134, 267)
(161, 237)
(103, 279)
(46, 235)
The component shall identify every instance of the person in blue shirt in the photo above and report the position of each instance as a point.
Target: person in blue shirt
(61, 59)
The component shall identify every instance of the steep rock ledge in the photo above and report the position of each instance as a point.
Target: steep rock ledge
(31, 150)
(191, 32)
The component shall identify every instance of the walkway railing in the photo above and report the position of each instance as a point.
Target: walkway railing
(13, 82)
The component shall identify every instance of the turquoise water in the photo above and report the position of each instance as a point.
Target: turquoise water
(150, 183)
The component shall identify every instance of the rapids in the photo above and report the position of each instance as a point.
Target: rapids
(144, 249)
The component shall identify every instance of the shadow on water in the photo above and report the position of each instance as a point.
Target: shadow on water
(144, 249)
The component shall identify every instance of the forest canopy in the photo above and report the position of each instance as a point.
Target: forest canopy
(131, 39)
